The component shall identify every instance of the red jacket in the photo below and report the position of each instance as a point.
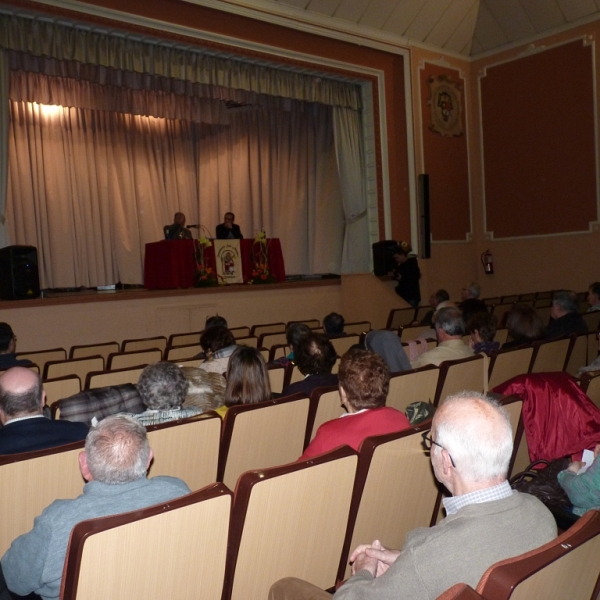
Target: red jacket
(354, 428)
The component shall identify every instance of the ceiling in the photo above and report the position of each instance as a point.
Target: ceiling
(465, 27)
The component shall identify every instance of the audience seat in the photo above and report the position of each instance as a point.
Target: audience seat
(128, 360)
(421, 312)
(61, 387)
(511, 299)
(250, 340)
(99, 379)
(312, 323)
(159, 341)
(325, 405)
(277, 375)
(500, 311)
(590, 384)
(196, 362)
(544, 312)
(78, 366)
(343, 344)
(549, 356)
(400, 317)
(93, 350)
(492, 301)
(527, 297)
(542, 303)
(184, 339)
(357, 327)
(258, 436)
(268, 340)
(41, 357)
(418, 385)
(520, 456)
(592, 320)
(506, 364)
(289, 521)
(278, 351)
(176, 549)
(501, 335)
(412, 332)
(464, 374)
(577, 356)
(173, 353)
(258, 330)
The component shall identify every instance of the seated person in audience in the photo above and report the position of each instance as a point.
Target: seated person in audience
(205, 390)
(294, 335)
(247, 379)
(582, 489)
(314, 359)
(471, 292)
(482, 328)
(594, 297)
(215, 321)
(430, 334)
(8, 347)
(228, 230)
(333, 324)
(178, 231)
(25, 427)
(434, 300)
(470, 303)
(364, 385)
(524, 326)
(388, 345)
(114, 464)
(449, 329)
(470, 444)
(163, 388)
(565, 315)
(218, 344)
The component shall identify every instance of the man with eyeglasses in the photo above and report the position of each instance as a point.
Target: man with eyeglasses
(470, 445)
(8, 347)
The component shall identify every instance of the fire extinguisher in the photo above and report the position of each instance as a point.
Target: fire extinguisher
(487, 260)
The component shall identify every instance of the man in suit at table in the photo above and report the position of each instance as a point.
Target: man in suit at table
(228, 230)
(25, 427)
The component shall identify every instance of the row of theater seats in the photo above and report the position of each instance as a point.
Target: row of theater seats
(285, 519)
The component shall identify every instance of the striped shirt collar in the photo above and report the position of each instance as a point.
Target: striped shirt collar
(496, 492)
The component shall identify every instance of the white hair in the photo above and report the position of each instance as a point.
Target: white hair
(476, 432)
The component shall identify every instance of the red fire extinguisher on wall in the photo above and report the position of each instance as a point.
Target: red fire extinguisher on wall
(487, 260)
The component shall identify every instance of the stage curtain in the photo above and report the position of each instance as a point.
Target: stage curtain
(91, 187)
(4, 125)
(351, 166)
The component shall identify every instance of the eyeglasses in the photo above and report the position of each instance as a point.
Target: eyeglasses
(427, 442)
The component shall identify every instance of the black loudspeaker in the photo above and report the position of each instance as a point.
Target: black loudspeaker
(19, 276)
(383, 261)
(424, 220)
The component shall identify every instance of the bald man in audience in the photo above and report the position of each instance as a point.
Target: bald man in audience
(470, 445)
(25, 427)
(114, 464)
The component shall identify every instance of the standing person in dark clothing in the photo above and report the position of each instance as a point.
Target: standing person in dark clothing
(407, 274)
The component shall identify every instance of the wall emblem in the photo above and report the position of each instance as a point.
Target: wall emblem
(445, 102)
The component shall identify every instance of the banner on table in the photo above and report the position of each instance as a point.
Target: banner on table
(228, 261)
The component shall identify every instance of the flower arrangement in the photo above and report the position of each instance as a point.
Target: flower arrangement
(204, 276)
(260, 257)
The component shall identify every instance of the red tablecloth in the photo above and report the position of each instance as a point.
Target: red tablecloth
(170, 264)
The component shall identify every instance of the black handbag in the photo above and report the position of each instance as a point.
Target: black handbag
(543, 483)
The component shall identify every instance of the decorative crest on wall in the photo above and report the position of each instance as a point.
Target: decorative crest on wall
(445, 102)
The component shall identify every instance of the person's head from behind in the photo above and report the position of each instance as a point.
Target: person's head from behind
(162, 386)
(482, 327)
(333, 324)
(215, 339)
(449, 323)
(21, 394)
(438, 297)
(364, 380)
(524, 323)
(315, 355)
(564, 302)
(215, 321)
(473, 441)
(179, 219)
(8, 340)
(295, 333)
(593, 296)
(247, 378)
(116, 451)
(473, 290)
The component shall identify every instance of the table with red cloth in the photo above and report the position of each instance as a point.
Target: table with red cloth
(171, 264)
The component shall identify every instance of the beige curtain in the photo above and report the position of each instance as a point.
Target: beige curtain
(4, 124)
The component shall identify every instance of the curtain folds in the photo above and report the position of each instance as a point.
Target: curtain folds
(81, 47)
(4, 125)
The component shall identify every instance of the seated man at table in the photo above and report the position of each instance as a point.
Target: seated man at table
(228, 230)
(178, 231)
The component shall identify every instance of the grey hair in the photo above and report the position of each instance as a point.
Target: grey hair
(117, 450)
(566, 300)
(474, 289)
(480, 444)
(162, 385)
(450, 320)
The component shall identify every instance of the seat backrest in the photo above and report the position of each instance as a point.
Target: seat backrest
(577, 356)
(126, 360)
(184, 339)
(249, 340)
(412, 332)
(544, 312)
(182, 352)
(295, 375)
(159, 341)
(549, 357)
(542, 303)
(325, 405)
(506, 364)
(98, 379)
(239, 332)
(591, 386)
(258, 330)
(93, 350)
(395, 491)
(592, 320)
(357, 327)
(276, 377)
(460, 591)
(268, 340)
(29, 482)
(342, 344)
(421, 312)
(290, 521)
(501, 335)
(78, 366)
(527, 297)
(500, 311)
(464, 374)
(566, 567)
(188, 449)
(62, 387)
(258, 436)
(278, 351)
(42, 357)
(592, 347)
(511, 299)
(492, 301)
(418, 385)
(312, 323)
(400, 317)
(520, 455)
(136, 548)
(196, 362)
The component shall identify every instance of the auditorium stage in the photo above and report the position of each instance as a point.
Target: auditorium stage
(87, 316)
